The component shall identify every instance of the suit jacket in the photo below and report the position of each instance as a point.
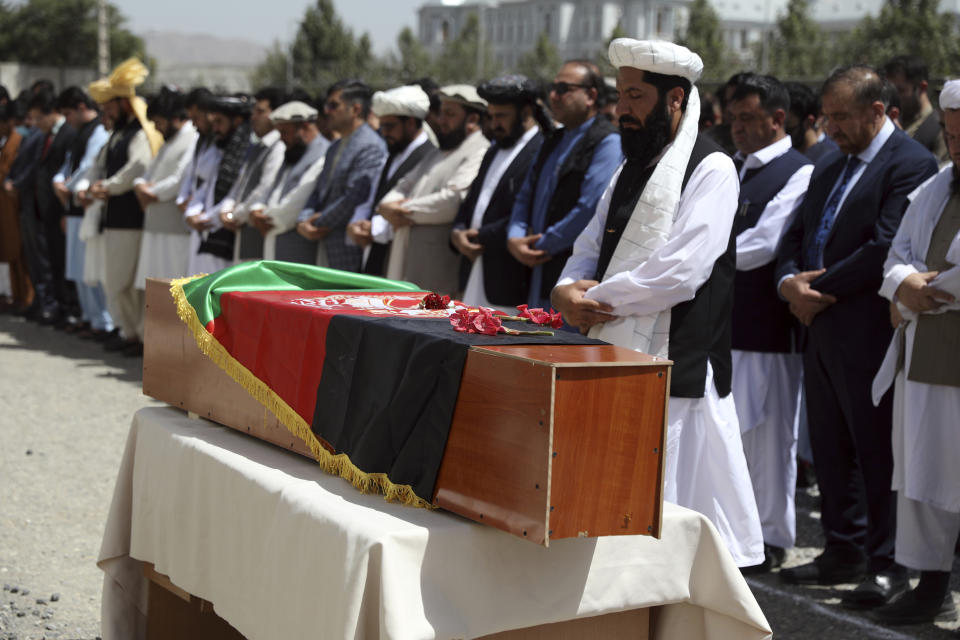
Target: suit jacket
(345, 184)
(48, 166)
(505, 281)
(857, 324)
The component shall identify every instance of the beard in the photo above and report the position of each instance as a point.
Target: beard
(643, 144)
(222, 140)
(399, 145)
(452, 140)
(506, 140)
(294, 152)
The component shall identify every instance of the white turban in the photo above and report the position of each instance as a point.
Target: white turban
(411, 101)
(950, 96)
(656, 56)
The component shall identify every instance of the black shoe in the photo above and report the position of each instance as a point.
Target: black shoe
(50, 317)
(133, 349)
(100, 335)
(115, 343)
(911, 609)
(877, 589)
(826, 569)
(772, 558)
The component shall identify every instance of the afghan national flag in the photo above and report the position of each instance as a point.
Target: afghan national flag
(342, 359)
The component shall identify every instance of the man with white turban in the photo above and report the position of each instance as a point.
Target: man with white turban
(401, 112)
(653, 271)
(922, 282)
(133, 143)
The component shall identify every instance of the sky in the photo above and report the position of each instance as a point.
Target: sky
(268, 20)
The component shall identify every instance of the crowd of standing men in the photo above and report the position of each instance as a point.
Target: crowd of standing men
(793, 251)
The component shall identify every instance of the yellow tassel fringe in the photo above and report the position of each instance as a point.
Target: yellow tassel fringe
(339, 464)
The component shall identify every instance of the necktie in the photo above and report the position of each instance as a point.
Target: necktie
(46, 146)
(815, 250)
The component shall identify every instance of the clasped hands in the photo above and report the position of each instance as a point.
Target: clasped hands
(577, 310)
(916, 294)
(805, 301)
(465, 241)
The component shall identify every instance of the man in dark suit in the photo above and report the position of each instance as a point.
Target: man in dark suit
(829, 269)
(488, 273)
(57, 140)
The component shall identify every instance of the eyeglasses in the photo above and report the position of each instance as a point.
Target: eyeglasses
(561, 88)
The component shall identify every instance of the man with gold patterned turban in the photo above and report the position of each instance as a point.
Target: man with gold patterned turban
(132, 145)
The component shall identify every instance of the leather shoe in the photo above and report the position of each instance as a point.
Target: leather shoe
(912, 609)
(877, 589)
(134, 349)
(827, 569)
(772, 558)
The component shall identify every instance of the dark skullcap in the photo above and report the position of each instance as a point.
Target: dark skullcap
(230, 105)
(508, 89)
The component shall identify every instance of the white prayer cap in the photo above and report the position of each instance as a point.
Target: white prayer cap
(410, 101)
(950, 95)
(295, 111)
(465, 94)
(656, 56)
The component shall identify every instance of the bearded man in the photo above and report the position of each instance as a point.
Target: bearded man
(653, 271)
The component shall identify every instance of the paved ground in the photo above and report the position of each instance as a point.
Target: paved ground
(65, 406)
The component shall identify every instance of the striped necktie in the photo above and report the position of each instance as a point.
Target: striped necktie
(815, 250)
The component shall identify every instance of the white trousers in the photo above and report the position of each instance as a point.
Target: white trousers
(124, 300)
(705, 470)
(926, 535)
(766, 389)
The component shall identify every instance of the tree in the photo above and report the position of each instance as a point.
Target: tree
(542, 62)
(798, 48)
(63, 33)
(603, 57)
(914, 27)
(703, 37)
(272, 72)
(458, 60)
(411, 60)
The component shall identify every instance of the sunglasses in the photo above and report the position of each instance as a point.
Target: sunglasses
(561, 88)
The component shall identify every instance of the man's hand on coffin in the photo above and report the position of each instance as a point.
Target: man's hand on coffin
(228, 221)
(199, 222)
(805, 301)
(577, 310)
(310, 231)
(465, 240)
(98, 191)
(917, 295)
(261, 222)
(359, 232)
(395, 213)
(522, 249)
(144, 195)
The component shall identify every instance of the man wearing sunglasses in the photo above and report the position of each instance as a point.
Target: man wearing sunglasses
(567, 178)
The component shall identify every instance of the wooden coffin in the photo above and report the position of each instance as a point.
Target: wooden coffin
(547, 441)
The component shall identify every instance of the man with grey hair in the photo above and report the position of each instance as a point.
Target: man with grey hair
(922, 282)
(829, 268)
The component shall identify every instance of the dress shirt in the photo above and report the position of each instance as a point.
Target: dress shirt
(758, 245)
(673, 273)
(865, 156)
(97, 139)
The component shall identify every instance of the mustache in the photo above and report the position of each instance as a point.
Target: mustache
(630, 120)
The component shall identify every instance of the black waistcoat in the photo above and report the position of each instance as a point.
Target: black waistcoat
(569, 182)
(122, 211)
(761, 320)
(77, 150)
(699, 328)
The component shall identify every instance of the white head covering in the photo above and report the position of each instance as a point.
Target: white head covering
(295, 111)
(409, 100)
(950, 96)
(464, 94)
(657, 56)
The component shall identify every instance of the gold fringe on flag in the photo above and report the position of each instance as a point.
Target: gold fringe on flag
(336, 464)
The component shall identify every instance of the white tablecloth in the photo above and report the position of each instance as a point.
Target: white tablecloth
(283, 550)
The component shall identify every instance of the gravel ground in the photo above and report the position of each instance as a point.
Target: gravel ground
(65, 407)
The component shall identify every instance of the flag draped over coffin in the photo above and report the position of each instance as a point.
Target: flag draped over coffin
(341, 358)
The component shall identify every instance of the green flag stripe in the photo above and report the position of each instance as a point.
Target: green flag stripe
(204, 293)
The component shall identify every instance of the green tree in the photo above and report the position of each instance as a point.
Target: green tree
(411, 60)
(63, 33)
(703, 36)
(272, 72)
(798, 48)
(914, 27)
(603, 56)
(542, 62)
(458, 60)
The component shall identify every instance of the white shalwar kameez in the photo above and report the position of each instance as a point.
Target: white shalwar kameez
(926, 417)
(704, 465)
(766, 386)
(206, 175)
